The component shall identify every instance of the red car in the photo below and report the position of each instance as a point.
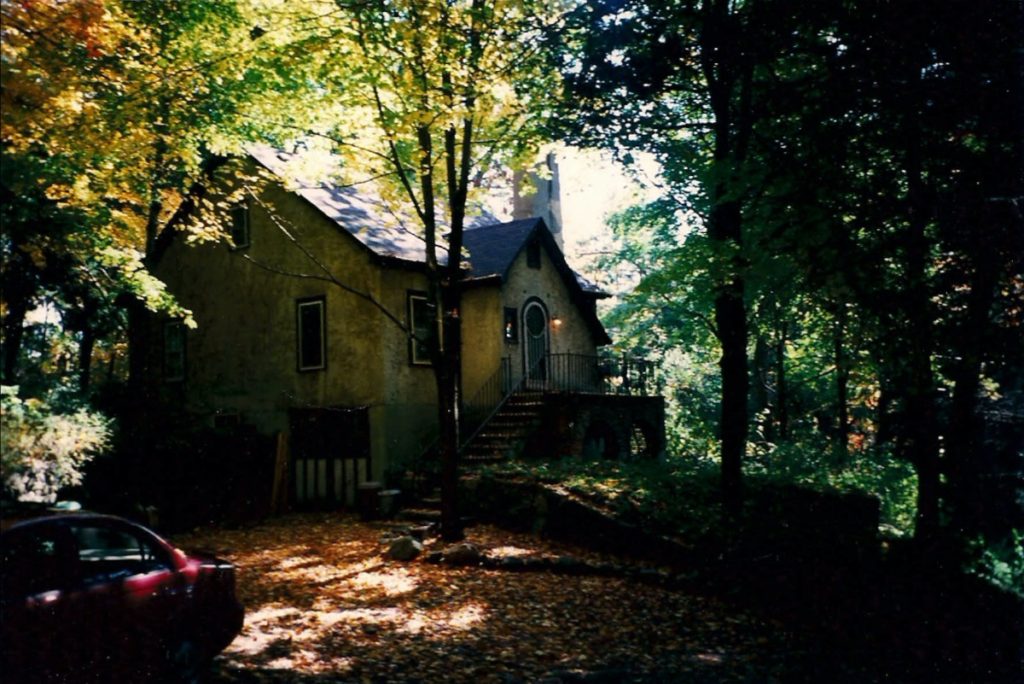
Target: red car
(95, 598)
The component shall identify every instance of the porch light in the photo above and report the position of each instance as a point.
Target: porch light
(555, 321)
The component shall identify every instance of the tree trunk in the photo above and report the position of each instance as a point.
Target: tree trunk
(731, 322)
(448, 390)
(20, 288)
(85, 347)
(965, 426)
(140, 345)
(920, 428)
(761, 407)
(842, 443)
(729, 96)
(14, 330)
(781, 383)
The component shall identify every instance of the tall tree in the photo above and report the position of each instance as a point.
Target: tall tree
(689, 82)
(428, 98)
(919, 107)
(110, 108)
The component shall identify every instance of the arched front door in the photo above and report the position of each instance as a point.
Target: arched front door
(535, 335)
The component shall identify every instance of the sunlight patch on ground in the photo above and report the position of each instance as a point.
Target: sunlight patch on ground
(296, 561)
(324, 605)
(709, 658)
(270, 613)
(361, 615)
(509, 551)
(467, 617)
(441, 623)
(393, 582)
(316, 571)
(264, 627)
(432, 623)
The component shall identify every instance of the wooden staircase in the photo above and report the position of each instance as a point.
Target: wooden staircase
(504, 434)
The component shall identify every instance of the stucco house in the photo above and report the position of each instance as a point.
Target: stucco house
(297, 335)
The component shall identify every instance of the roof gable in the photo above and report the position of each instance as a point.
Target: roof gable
(494, 249)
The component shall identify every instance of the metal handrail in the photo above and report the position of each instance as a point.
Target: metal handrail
(600, 374)
(503, 379)
(491, 392)
(623, 375)
(504, 400)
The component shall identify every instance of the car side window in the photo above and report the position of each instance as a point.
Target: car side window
(108, 553)
(35, 560)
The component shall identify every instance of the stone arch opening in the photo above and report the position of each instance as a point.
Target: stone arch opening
(600, 441)
(643, 441)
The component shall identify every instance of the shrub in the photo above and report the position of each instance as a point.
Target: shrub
(1000, 561)
(43, 446)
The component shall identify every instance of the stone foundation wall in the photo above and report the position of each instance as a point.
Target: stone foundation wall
(600, 426)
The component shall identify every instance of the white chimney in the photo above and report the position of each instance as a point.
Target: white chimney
(544, 202)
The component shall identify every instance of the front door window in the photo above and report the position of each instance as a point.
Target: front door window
(535, 324)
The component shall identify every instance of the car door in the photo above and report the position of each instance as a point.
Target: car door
(36, 615)
(133, 591)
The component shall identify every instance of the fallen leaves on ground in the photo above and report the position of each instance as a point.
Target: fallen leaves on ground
(323, 605)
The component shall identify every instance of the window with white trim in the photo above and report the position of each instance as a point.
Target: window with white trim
(174, 351)
(239, 226)
(421, 328)
(311, 332)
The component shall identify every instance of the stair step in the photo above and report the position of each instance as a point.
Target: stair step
(503, 435)
(491, 448)
(478, 460)
(419, 514)
(507, 429)
(519, 419)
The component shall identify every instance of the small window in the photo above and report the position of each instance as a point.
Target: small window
(311, 328)
(239, 226)
(421, 328)
(174, 351)
(511, 324)
(533, 254)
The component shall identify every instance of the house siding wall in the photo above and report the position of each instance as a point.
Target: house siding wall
(484, 344)
(242, 357)
(524, 283)
(482, 341)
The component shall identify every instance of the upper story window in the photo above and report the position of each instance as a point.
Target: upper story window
(421, 328)
(239, 225)
(311, 329)
(174, 351)
(533, 254)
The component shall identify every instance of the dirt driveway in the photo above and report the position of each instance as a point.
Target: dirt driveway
(323, 605)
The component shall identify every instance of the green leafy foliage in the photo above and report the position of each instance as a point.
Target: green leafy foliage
(862, 155)
(810, 461)
(45, 444)
(1000, 561)
(680, 495)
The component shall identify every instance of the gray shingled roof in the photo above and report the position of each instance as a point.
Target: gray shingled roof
(492, 249)
(491, 246)
(362, 215)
